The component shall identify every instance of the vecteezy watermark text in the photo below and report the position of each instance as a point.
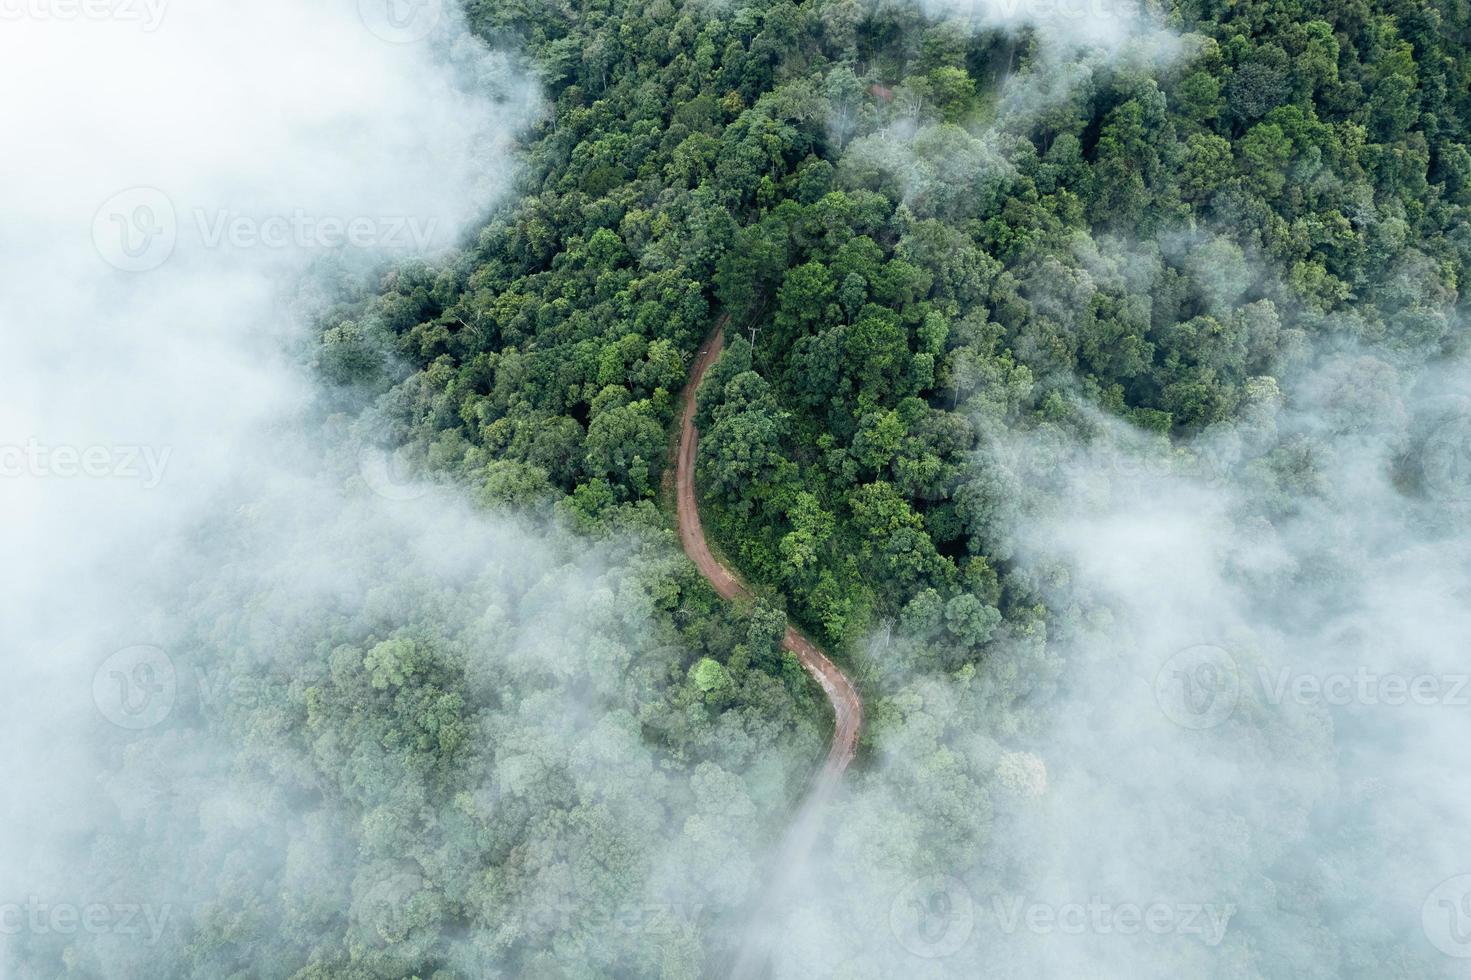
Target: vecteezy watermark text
(1207, 920)
(935, 916)
(1199, 687)
(34, 458)
(139, 687)
(981, 16)
(648, 919)
(1368, 687)
(147, 13)
(300, 229)
(138, 229)
(41, 918)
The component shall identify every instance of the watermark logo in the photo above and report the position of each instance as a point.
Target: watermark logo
(389, 475)
(1205, 920)
(1366, 687)
(136, 230)
(933, 917)
(401, 21)
(1446, 916)
(139, 229)
(135, 687)
(1198, 687)
(1446, 460)
(43, 918)
(148, 14)
(141, 686)
(36, 459)
(383, 913)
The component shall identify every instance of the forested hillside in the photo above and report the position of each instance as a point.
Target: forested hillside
(955, 253)
(933, 237)
(925, 251)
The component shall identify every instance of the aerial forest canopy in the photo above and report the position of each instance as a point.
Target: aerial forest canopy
(923, 239)
(932, 236)
(949, 249)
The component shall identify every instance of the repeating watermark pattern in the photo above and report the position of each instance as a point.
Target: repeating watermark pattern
(1057, 11)
(382, 911)
(1197, 464)
(301, 229)
(1125, 472)
(390, 476)
(401, 21)
(1366, 687)
(136, 229)
(36, 459)
(135, 688)
(652, 919)
(933, 917)
(147, 14)
(1198, 687)
(42, 918)
(139, 229)
(1205, 920)
(141, 687)
(1446, 916)
(1446, 460)
(218, 689)
(974, 16)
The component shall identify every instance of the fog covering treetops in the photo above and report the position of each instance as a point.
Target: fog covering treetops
(925, 249)
(957, 256)
(952, 250)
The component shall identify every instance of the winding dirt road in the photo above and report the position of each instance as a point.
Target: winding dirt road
(846, 704)
(763, 932)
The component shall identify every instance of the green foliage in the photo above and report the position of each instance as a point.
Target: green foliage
(904, 295)
(444, 770)
(910, 279)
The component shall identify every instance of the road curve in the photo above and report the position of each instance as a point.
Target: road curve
(764, 929)
(846, 704)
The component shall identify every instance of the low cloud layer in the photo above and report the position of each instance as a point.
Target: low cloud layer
(190, 182)
(1239, 747)
(277, 706)
(1060, 25)
(1266, 678)
(1237, 752)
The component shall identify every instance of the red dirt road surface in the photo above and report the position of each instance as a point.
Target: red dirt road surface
(764, 928)
(846, 704)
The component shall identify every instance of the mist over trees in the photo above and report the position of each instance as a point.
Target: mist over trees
(410, 754)
(934, 238)
(925, 250)
(1053, 350)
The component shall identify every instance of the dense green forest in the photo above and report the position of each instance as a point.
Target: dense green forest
(932, 238)
(929, 238)
(922, 258)
(927, 244)
(438, 763)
